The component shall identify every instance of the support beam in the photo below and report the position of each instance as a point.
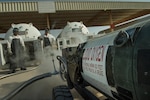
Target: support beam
(48, 21)
(137, 14)
(111, 22)
(94, 18)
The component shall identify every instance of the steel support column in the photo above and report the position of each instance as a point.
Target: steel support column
(48, 21)
(112, 26)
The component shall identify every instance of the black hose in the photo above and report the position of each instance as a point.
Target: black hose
(25, 84)
(62, 60)
(63, 67)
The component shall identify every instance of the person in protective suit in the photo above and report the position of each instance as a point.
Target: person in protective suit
(48, 39)
(16, 49)
(47, 42)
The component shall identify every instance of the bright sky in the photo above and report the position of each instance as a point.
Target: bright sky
(93, 30)
(106, 0)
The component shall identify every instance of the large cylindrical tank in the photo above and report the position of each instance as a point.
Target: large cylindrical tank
(116, 64)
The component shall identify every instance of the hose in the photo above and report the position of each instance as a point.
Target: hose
(63, 67)
(25, 84)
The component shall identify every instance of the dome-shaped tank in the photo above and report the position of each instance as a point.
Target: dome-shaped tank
(72, 35)
(26, 31)
(74, 27)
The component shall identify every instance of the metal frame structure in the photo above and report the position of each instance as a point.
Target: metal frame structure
(55, 14)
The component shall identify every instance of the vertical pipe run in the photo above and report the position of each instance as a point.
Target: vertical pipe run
(112, 26)
(48, 21)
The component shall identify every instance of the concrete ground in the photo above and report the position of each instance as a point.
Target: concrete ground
(38, 90)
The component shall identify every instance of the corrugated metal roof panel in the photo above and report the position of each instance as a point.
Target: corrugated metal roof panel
(46, 7)
(70, 5)
(100, 5)
(18, 6)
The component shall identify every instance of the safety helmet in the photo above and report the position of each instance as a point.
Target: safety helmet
(15, 30)
(46, 29)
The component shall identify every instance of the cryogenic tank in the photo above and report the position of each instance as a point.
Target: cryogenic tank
(116, 64)
(73, 34)
(27, 31)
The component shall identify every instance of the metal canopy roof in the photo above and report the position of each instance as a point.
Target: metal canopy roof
(90, 13)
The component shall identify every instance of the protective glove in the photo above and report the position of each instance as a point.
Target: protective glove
(24, 49)
(9, 51)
